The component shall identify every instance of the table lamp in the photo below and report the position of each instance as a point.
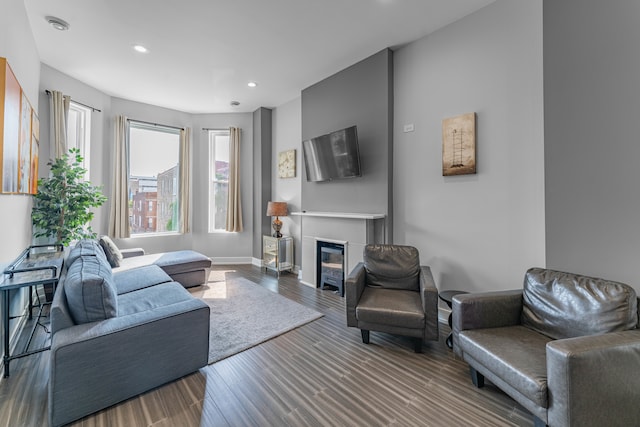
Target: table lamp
(277, 209)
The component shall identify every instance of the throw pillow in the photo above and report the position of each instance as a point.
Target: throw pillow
(90, 291)
(114, 256)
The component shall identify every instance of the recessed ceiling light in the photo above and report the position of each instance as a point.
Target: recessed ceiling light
(252, 84)
(140, 48)
(57, 23)
(234, 103)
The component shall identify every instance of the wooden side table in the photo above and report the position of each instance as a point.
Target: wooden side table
(447, 297)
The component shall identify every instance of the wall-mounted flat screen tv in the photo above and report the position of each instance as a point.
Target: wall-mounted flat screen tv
(332, 156)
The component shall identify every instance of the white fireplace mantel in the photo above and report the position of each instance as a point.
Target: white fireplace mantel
(341, 215)
(353, 230)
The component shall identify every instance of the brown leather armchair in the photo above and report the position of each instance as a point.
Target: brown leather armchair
(566, 347)
(391, 292)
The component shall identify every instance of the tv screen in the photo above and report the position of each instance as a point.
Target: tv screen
(332, 156)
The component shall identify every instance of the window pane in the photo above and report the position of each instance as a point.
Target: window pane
(79, 131)
(218, 179)
(153, 179)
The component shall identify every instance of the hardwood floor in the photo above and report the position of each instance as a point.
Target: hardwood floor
(317, 375)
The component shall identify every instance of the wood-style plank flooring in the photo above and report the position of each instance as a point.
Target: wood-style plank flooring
(317, 375)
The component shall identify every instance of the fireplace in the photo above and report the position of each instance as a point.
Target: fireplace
(330, 265)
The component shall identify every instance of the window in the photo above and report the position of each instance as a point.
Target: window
(154, 153)
(79, 131)
(218, 179)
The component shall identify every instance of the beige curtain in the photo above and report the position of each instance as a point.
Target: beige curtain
(119, 213)
(185, 179)
(59, 115)
(234, 208)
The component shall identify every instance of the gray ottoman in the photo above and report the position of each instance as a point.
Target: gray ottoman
(189, 268)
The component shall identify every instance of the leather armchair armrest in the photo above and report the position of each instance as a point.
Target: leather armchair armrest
(129, 253)
(485, 310)
(429, 296)
(594, 380)
(353, 288)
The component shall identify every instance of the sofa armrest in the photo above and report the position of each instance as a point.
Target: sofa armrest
(129, 253)
(353, 288)
(429, 296)
(125, 356)
(594, 378)
(485, 310)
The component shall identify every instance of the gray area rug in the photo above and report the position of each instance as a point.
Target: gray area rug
(244, 314)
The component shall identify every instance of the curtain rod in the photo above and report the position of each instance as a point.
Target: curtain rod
(217, 129)
(156, 124)
(48, 92)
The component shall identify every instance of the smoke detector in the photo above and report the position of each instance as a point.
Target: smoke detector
(234, 103)
(57, 23)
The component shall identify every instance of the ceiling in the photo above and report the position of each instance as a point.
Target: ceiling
(202, 53)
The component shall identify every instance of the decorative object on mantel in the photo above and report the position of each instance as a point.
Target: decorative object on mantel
(287, 164)
(277, 209)
(459, 145)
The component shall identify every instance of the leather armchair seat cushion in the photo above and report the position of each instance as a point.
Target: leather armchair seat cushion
(392, 266)
(391, 307)
(513, 352)
(563, 305)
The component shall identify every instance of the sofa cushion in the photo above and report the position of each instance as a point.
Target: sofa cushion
(152, 298)
(393, 307)
(91, 294)
(139, 278)
(564, 305)
(392, 266)
(515, 353)
(113, 254)
(85, 247)
(182, 261)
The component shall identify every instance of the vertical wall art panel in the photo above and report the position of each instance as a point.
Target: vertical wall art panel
(24, 146)
(459, 145)
(35, 152)
(10, 99)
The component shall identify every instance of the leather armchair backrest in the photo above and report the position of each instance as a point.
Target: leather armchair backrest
(563, 305)
(392, 267)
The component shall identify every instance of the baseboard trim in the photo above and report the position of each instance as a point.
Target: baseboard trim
(231, 260)
(16, 334)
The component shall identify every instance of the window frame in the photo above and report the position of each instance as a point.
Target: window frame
(133, 124)
(83, 133)
(213, 134)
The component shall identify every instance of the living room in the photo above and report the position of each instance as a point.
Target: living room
(553, 87)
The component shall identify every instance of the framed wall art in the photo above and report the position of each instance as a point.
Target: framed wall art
(287, 164)
(459, 145)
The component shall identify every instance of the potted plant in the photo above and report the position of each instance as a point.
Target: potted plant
(62, 205)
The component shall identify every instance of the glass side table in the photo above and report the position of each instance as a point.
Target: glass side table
(277, 253)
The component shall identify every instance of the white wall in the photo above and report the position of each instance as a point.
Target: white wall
(592, 107)
(18, 46)
(222, 247)
(482, 231)
(287, 135)
(101, 130)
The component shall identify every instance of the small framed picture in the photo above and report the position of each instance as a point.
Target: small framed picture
(459, 145)
(287, 164)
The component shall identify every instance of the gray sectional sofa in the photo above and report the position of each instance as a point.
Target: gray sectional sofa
(190, 268)
(116, 335)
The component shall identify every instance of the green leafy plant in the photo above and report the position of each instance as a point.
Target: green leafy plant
(62, 205)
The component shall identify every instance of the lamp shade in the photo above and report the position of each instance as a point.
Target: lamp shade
(277, 209)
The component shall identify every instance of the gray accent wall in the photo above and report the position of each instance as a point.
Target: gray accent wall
(261, 177)
(592, 144)
(360, 95)
(477, 232)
